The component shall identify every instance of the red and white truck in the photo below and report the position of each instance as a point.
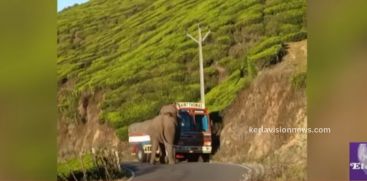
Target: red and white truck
(194, 140)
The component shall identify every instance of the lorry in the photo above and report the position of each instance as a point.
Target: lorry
(194, 136)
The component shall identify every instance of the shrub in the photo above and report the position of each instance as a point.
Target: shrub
(184, 57)
(122, 133)
(225, 40)
(272, 25)
(267, 57)
(265, 44)
(248, 19)
(257, 29)
(114, 119)
(229, 63)
(285, 29)
(99, 164)
(222, 95)
(295, 36)
(299, 80)
(223, 20)
(225, 30)
(75, 165)
(292, 16)
(284, 7)
(177, 76)
(251, 69)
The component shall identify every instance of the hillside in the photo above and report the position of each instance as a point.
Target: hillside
(135, 54)
(275, 98)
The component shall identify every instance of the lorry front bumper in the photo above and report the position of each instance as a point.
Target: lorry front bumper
(193, 149)
(147, 148)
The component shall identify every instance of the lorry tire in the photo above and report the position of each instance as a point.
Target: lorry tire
(205, 157)
(140, 155)
(193, 157)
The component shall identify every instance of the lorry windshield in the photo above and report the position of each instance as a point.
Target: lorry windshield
(201, 122)
(188, 123)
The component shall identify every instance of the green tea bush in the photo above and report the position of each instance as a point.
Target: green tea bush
(265, 44)
(295, 36)
(229, 63)
(254, 29)
(294, 16)
(225, 30)
(100, 163)
(223, 94)
(122, 133)
(248, 19)
(284, 7)
(285, 29)
(75, 165)
(267, 57)
(225, 40)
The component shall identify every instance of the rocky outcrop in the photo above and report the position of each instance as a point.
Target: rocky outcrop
(271, 101)
(75, 137)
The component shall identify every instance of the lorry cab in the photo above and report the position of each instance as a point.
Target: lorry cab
(194, 131)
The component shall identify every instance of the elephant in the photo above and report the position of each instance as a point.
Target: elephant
(162, 131)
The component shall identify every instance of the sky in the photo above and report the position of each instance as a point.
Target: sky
(61, 4)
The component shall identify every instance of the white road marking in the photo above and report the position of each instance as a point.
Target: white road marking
(132, 174)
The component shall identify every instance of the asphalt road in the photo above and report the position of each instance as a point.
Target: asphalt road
(188, 171)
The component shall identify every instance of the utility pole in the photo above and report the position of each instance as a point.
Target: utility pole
(199, 41)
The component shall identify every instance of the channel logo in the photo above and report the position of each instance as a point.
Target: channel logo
(358, 161)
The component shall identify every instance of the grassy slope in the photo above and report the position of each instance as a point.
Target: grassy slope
(136, 51)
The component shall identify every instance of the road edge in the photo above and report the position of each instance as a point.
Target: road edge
(233, 164)
(132, 173)
(249, 170)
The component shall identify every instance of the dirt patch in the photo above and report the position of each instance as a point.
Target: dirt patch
(270, 101)
(222, 73)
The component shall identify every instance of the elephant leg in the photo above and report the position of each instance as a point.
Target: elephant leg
(169, 138)
(170, 153)
(154, 151)
(162, 153)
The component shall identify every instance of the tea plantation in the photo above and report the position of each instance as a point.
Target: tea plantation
(137, 53)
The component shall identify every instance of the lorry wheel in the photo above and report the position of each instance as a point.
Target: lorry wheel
(141, 156)
(193, 158)
(205, 157)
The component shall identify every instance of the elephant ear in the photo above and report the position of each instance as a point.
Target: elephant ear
(168, 110)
